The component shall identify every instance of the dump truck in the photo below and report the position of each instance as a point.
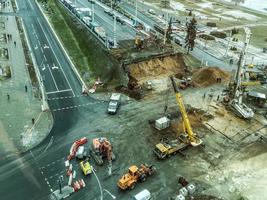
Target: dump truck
(114, 103)
(134, 175)
(102, 148)
(166, 148)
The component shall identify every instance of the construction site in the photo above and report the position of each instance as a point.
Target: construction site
(175, 121)
(202, 128)
(198, 129)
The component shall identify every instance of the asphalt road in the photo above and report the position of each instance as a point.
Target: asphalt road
(33, 175)
(26, 176)
(123, 31)
(150, 20)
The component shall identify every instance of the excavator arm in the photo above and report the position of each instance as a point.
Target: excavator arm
(194, 140)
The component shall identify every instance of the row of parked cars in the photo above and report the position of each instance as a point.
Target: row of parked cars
(111, 13)
(85, 15)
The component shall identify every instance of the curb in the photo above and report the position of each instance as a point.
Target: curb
(84, 87)
(50, 115)
(35, 68)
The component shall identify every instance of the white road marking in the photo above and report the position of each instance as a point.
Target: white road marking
(67, 97)
(55, 56)
(42, 50)
(54, 66)
(76, 106)
(36, 47)
(43, 68)
(31, 5)
(45, 58)
(46, 47)
(59, 91)
(53, 78)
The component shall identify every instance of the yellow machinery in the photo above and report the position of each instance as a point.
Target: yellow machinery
(86, 167)
(135, 174)
(252, 83)
(167, 148)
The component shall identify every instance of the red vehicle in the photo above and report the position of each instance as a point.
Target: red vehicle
(75, 146)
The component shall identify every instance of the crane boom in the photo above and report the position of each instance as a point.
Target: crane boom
(194, 140)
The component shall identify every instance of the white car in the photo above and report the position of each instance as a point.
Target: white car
(151, 11)
(143, 195)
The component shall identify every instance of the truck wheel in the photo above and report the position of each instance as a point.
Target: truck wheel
(132, 186)
(143, 179)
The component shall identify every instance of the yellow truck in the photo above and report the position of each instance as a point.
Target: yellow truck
(166, 148)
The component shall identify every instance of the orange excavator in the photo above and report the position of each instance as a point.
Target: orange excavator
(102, 148)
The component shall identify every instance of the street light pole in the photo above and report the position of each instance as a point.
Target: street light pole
(93, 10)
(135, 12)
(114, 30)
(228, 44)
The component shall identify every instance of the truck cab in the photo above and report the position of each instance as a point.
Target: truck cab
(114, 103)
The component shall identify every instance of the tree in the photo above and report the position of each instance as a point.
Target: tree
(169, 32)
(191, 35)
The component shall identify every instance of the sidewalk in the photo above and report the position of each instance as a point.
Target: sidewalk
(17, 130)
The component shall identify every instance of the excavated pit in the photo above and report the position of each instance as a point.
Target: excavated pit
(158, 67)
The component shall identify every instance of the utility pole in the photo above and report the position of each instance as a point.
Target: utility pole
(229, 41)
(114, 30)
(135, 12)
(204, 53)
(165, 34)
(93, 10)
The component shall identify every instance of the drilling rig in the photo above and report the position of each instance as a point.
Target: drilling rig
(236, 89)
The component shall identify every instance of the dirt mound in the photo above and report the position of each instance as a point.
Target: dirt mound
(206, 76)
(196, 118)
(168, 65)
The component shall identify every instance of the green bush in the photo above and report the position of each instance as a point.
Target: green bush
(8, 72)
(211, 24)
(218, 34)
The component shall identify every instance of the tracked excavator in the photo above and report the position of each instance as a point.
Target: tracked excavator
(102, 148)
(167, 148)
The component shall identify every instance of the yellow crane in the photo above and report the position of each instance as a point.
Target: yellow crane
(167, 148)
(192, 137)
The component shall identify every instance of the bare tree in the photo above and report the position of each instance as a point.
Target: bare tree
(191, 35)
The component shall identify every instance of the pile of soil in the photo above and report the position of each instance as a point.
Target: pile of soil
(206, 76)
(196, 118)
(168, 65)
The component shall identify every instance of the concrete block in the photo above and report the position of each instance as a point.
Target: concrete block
(191, 188)
(180, 197)
(183, 191)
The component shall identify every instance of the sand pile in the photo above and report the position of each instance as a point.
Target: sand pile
(206, 76)
(158, 66)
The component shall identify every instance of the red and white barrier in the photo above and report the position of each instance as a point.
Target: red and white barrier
(75, 146)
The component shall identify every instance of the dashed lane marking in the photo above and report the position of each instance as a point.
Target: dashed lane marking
(76, 106)
(66, 97)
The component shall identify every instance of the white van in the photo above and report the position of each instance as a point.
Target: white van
(143, 195)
